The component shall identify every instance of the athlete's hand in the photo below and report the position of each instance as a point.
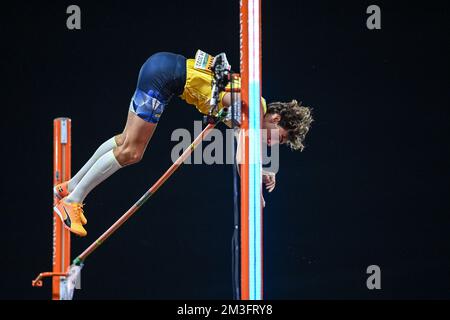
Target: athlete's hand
(269, 180)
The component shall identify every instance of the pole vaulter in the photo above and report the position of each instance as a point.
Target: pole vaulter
(201, 81)
(222, 75)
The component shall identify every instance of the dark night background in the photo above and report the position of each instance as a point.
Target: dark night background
(371, 187)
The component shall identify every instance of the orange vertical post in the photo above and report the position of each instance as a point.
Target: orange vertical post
(61, 172)
(243, 45)
(261, 121)
(251, 182)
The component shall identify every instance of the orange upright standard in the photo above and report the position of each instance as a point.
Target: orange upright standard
(62, 144)
(251, 207)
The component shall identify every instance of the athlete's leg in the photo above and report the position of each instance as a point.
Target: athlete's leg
(131, 147)
(104, 148)
(162, 76)
(133, 142)
(63, 189)
(136, 136)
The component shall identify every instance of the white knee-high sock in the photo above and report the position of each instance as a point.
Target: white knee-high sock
(104, 148)
(103, 168)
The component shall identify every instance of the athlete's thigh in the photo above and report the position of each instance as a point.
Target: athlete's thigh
(138, 132)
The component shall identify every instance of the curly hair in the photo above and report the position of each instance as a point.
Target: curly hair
(295, 118)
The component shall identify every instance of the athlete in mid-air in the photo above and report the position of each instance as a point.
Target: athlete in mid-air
(163, 76)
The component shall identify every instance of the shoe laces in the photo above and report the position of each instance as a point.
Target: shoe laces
(78, 209)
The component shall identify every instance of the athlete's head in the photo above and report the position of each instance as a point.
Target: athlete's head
(292, 121)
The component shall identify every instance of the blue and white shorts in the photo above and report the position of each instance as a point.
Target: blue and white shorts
(161, 77)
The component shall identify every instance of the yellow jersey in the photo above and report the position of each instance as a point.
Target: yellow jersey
(197, 90)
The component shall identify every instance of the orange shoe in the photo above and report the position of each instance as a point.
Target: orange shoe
(70, 213)
(61, 191)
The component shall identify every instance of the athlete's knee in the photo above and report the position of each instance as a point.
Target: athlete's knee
(136, 155)
(128, 154)
(119, 139)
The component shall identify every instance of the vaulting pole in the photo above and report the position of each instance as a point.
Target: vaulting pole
(82, 257)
